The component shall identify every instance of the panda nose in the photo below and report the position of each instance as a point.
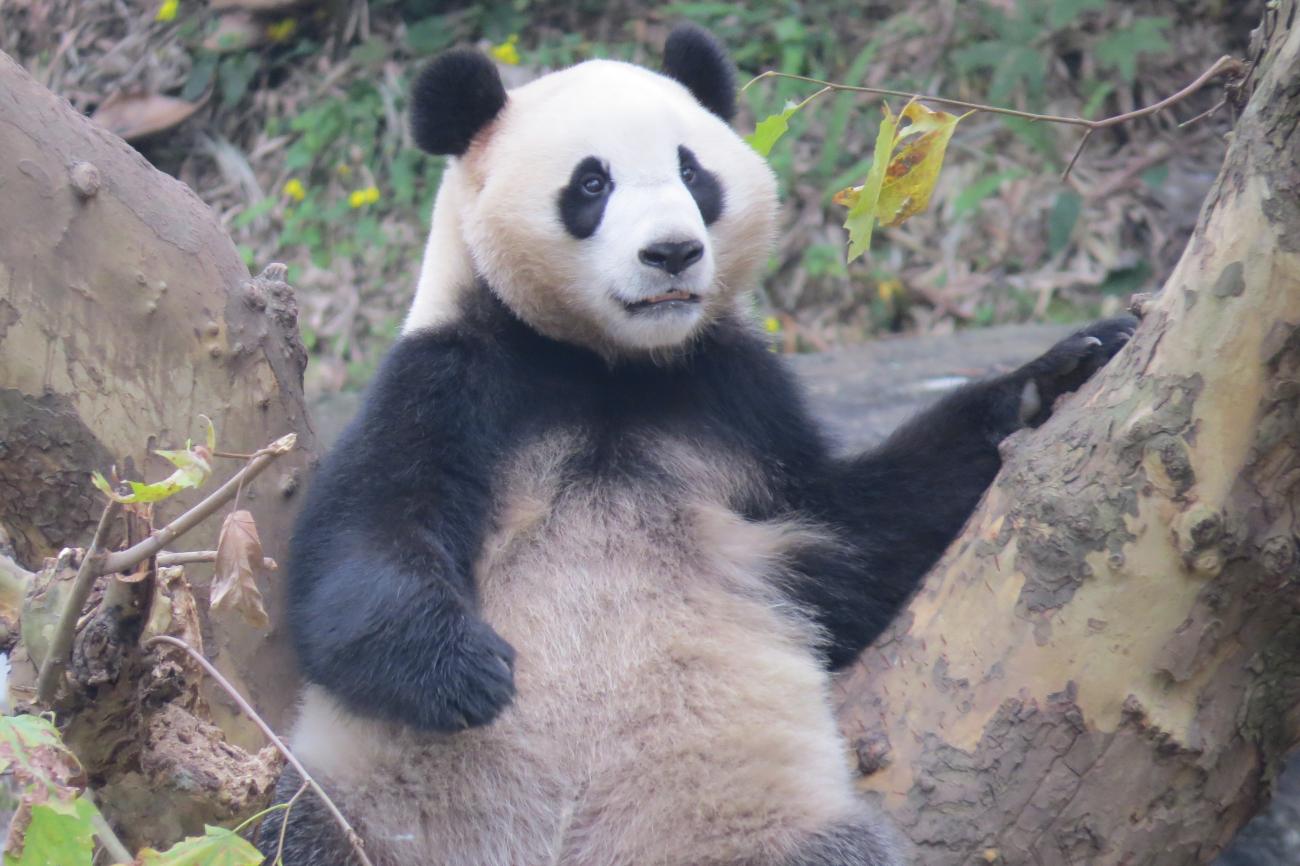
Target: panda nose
(672, 256)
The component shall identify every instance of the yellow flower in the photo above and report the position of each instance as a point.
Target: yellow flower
(343, 169)
(167, 11)
(281, 30)
(506, 52)
(772, 324)
(363, 197)
(889, 289)
(294, 189)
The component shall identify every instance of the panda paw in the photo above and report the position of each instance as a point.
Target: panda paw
(1070, 363)
(476, 680)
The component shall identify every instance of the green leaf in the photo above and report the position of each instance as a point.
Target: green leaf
(981, 55)
(234, 75)
(861, 219)
(1063, 12)
(205, 64)
(1062, 219)
(57, 834)
(192, 470)
(22, 736)
(770, 129)
(969, 198)
(218, 847)
(1120, 50)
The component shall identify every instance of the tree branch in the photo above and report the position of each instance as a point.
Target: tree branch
(190, 557)
(1224, 65)
(66, 627)
(248, 710)
(151, 546)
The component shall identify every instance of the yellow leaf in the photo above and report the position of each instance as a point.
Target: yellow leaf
(507, 52)
(901, 178)
(239, 558)
(281, 30)
(914, 169)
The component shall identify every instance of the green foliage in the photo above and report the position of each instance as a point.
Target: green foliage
(1119, 50)
(192, 470)
(1062, 220)
(217, 847)
(770, 129)
(55, 821)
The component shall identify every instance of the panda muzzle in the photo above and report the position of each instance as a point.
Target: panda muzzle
(673, 298)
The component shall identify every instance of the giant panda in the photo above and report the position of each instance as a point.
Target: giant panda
(569, 590)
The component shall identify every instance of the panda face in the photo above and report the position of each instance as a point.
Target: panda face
(607, 207)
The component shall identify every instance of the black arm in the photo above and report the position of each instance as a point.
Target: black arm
(897, 508)
(383, 605)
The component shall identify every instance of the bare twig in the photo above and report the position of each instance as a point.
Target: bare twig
(1224, 65)
(61, 643)
(189, 557)
(284, 824)
(248, 710)
(151, 546)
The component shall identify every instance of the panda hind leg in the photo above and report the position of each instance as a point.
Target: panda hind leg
(867, 839)
(312, 838)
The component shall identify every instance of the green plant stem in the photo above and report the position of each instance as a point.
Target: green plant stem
(105, 834)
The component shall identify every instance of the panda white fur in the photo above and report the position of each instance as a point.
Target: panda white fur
(568, 590)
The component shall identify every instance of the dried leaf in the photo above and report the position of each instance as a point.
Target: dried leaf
(239, 556)
(134, 117)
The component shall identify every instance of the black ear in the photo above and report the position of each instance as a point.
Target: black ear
(453, 98)
(694, 57)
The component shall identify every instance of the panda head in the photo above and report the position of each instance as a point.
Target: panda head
(605, 204)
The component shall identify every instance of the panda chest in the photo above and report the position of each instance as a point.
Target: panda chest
(602, 578)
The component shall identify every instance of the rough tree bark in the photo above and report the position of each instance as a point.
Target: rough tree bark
(1105, 667)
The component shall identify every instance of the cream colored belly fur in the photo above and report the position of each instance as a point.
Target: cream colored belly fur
(668, 708)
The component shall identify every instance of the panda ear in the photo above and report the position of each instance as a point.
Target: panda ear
(693, 57)
(452, 99)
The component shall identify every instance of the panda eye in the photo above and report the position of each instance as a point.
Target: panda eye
(688, 174)
(594, 184)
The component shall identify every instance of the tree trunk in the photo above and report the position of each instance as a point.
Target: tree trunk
(125, 312)
(1105, 667)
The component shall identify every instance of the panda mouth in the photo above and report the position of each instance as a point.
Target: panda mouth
(676, 299)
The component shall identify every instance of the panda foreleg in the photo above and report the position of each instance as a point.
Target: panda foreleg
(895, 510)
(311, 837)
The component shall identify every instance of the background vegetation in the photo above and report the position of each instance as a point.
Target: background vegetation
(288, 119)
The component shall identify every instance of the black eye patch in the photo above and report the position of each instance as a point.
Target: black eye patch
(583, 199)
(703, 185)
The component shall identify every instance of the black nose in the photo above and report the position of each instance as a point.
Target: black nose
(672, 256)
